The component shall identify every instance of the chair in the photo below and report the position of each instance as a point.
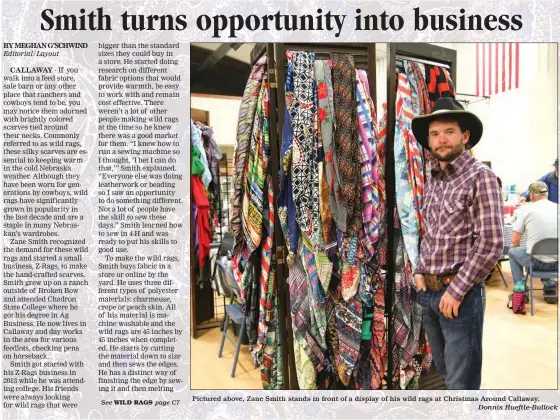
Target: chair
(545, 247)
(234, 311)
(503, 257)
(226, 245)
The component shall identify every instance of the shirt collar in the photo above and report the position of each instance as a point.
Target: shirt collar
(455, 166)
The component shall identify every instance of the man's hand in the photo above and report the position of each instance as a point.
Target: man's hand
(420, 282)
(449, 306)
(521, 200)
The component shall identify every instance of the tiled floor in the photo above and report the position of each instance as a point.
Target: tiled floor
(520, 351)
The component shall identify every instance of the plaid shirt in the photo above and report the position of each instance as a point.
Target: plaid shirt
(463, 211)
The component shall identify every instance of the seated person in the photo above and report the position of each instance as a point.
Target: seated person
(551, 181)
(538, 220)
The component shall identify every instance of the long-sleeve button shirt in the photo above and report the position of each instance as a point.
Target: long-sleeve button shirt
(463, 211)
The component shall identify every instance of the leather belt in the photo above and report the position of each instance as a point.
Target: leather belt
(438, 282)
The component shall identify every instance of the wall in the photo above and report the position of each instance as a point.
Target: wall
(520, 126)
(224, 112)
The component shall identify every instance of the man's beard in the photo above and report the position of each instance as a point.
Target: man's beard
(454, 153)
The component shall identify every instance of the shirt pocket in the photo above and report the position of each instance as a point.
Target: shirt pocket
(453, 217)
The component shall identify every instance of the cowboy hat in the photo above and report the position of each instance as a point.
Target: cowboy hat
(448, 108)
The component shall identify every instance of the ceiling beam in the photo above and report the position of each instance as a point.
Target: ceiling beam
(216, 56)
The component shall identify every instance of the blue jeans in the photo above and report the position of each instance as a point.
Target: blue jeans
(456, 344)
(519, 259)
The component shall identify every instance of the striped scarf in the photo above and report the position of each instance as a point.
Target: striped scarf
(369, 233)
(265, 278)
(414, 151)
(244, 131)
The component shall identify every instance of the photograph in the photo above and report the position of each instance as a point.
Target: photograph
(374, 216)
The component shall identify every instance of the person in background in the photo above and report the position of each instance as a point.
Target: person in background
(538, 220)
(551, 181)
(464, 237)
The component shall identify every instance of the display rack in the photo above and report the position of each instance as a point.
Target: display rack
(364, 58)
(426, 54)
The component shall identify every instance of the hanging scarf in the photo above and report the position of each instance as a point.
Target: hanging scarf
(347, 149)
(197, 168)
(305, 371)
(253, 204)
(269, 328)
(380, 154)
(405, 197)
(324, 196)
(378, 349)
(266, 272)
(369, 233)
(320, 261)
(251, 286)
(214, 156)
(439, 83)
(202, 221)
(303, 323)
(407, 315)
(305, 175)
(349, 324)
(244, 131)
(316, 295)
(326, 118)
(414, 151)
(196, 142)
(286, 205)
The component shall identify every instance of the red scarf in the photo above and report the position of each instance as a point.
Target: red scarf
(202, 220)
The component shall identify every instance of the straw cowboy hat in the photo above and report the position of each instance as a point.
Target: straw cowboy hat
(449, 108)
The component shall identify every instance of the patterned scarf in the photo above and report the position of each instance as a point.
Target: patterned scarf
(378, 350)
(303, 322)
(269, 329)
(381, 150)
(326, 118)
(369, 233)
(406, 204)
(316, 294)
(244, 130)
(305, 371)
(324, 196)
(253, 204)
(414, 151)
(266, 295)
(407, 315)
(347, 148)
(349, 325)
(305, 174)
(286, 205)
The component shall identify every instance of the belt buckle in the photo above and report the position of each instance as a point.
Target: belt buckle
(435, 285)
